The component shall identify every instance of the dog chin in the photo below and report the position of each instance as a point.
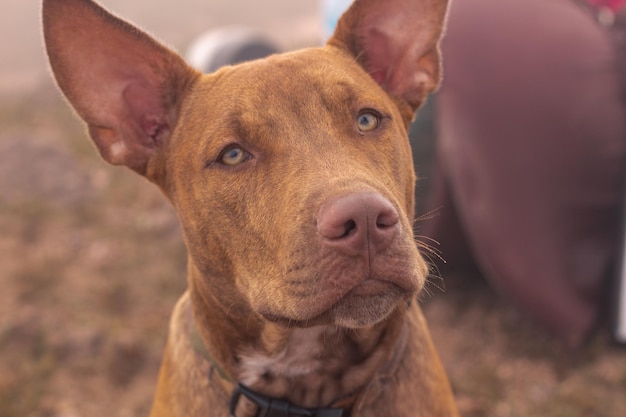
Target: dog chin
(357, 311)
(362, 307)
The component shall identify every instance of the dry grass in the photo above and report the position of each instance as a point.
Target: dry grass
(92, 263)
(503, 365)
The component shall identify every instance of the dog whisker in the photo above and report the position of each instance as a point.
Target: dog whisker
(429, 215)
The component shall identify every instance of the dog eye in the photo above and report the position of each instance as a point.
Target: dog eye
(233, 155)
(367, 121)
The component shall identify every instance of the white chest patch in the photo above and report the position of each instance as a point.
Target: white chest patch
(301, 356)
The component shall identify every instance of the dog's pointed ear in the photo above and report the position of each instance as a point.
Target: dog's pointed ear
(124, 84)
(397, 43)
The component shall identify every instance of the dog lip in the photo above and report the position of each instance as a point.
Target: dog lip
(369, 287)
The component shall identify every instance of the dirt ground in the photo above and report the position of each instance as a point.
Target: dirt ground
(91, 264)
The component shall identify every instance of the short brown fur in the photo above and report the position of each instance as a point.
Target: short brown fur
(278, 299)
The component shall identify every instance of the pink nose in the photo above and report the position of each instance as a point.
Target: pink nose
(358, 224)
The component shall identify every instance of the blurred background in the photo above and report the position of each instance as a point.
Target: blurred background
(92, 262)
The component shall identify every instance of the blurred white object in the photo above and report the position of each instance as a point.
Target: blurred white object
(331, 12)
(226, 46)
(620, 319)
(234, 44)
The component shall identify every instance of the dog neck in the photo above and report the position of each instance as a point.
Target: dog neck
(318, 366)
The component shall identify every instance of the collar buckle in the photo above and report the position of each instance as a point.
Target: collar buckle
(271, 407)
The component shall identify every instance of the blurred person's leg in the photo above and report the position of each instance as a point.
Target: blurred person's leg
(531, 153)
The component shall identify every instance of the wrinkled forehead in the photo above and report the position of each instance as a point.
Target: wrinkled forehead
(295, 84)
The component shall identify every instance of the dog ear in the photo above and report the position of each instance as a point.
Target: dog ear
(124, 84)
(397, 43)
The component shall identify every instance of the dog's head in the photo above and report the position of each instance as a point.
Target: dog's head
(292, 175)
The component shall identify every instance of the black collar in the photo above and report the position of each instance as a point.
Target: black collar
(272, 407)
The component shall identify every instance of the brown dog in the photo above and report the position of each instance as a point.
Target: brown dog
(292, 178)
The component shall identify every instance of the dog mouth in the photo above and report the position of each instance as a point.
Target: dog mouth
(366, 304)
(332, 288)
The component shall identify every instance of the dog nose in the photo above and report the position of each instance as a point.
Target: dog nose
(358, 224)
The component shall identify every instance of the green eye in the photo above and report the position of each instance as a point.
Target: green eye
(367, 121)
(233, 156)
